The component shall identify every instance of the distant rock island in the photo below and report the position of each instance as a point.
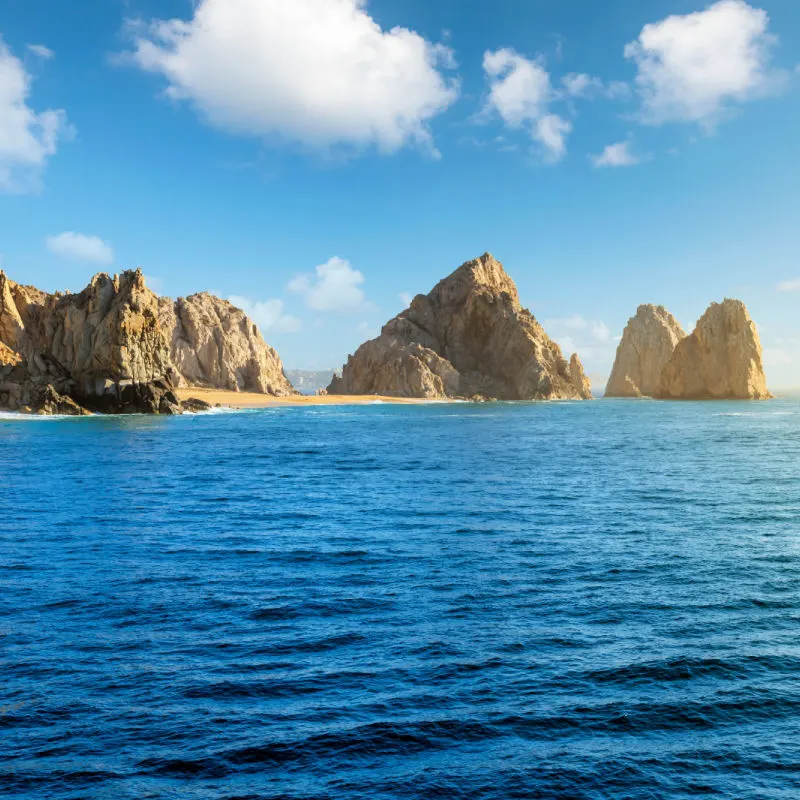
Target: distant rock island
(469, 338)
(116, 347)
(721, 359)
(647, 344)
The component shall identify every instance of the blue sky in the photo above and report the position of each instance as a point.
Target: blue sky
(320, 160)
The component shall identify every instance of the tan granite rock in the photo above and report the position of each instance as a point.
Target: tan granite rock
(469, 337)
(214, 344)
(721, 359)
(647, 344)
(111, 346)
(109, 331)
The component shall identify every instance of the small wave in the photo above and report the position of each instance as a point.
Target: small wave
(374, 739)
(679, 669)
(754, 414)
(311, 645)
(17, 416)
(218, 410)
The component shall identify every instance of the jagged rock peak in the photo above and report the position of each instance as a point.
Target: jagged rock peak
(469, 337)
(483, 272)
(110, 347)
(647, 344)
(720, 359)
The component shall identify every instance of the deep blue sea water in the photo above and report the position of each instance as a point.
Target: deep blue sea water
(555, 600)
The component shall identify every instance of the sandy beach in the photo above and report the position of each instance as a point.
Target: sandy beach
(255, 400)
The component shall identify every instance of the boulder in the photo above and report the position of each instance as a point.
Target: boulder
(49, 401)
(194, 405)
(470, 336)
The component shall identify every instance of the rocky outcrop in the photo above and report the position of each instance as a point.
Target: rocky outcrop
(469, 337)
(721, 359)
(109, 348)
(214, 344)
(19, 390)
(102, 347)
(647, 344)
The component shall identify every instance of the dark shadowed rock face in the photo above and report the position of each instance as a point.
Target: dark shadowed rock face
(720, 359)
(647, 344)
(469, 337)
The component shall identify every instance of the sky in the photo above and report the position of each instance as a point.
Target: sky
(319, 162)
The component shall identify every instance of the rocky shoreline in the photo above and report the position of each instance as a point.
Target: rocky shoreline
(118, 348)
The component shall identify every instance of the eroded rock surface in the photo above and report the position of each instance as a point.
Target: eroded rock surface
(647, 344)
(214, 344)
(469, 337)
(720, 359)
(109, 348)
(99, 347)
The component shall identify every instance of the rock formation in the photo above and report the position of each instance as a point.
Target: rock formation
(212, 343)
(109, 348)
(469, 337)
(102, 347)
(647, 344)
(721, 359)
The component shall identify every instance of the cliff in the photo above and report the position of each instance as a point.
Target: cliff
(470, 337)
(101, 348)
(647, 344)
(214, 344)
(721, 359)
(110, 348)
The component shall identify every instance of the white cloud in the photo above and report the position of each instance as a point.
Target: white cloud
(519, 89)
(579, 84)
(318, 72)
(590, 339)
(691, 68)
(552, 132)
(405, 298)
(42, 51)
(335, 286)
(520, 92)
(267, 314)
(616, 155)
(789, 286)
(80, 247)
(27, 138)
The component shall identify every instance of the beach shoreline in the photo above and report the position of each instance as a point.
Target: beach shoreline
(257, 400)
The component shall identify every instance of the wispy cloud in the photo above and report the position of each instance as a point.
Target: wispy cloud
(616, 155)
(80, 247)
(40, 50)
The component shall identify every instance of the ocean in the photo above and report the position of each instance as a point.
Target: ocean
(552, 600)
